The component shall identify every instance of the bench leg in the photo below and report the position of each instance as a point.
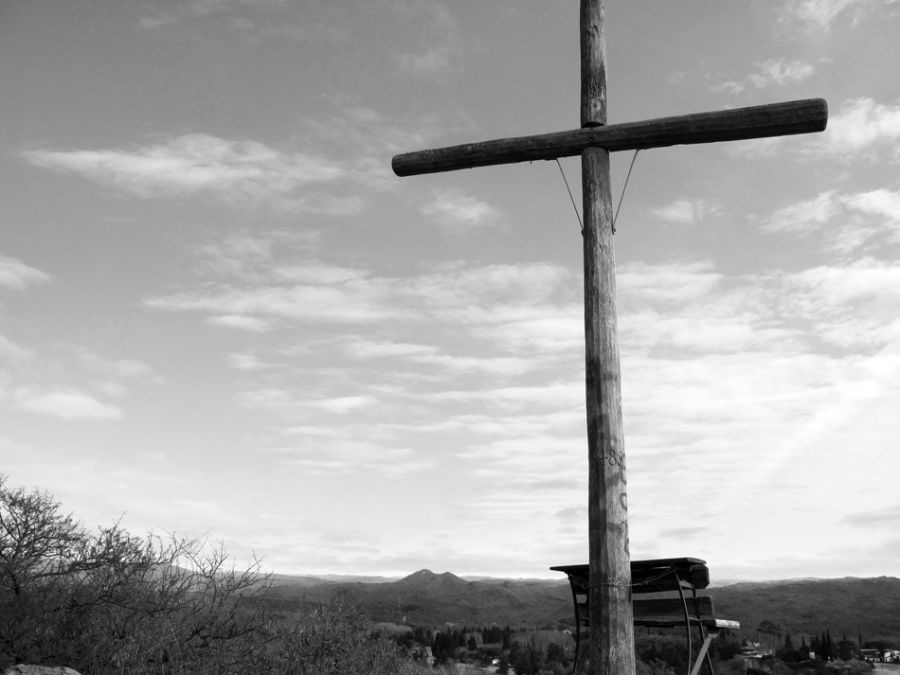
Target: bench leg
(703, 654)
(580, 666)
(580, 663)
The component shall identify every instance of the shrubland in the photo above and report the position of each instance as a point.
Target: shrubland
(107, 601)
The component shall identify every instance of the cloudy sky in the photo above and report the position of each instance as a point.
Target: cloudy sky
(221, 314)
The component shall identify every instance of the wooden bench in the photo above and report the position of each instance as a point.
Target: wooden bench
(664, 595)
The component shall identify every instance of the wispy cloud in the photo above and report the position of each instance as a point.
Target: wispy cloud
(528, 302)
(771, 72)
(738, 364)
(341, 163)
(670, 282)
(11, 352)
(433, 348)
(881, 203)
(377, 349)
(781, 72)
(115, 368)
(544, 396)
(846, 222)
(497, 365)
(694, 309)
(821, 14)
(804, 216)
(66, 404)
(430, 61)
(67, 381)
(234, 171)
(325, 453)
(429, 47)
(861, 125)
(459, 212)
(885, 517)
(362, 300)
(193, 9)
(241, 322)
(484, 361)
(246, 361)
(687, 211)
(836, 286)
(16, 275)
(715, 366)
(432, 355)
(252, 288)
(342, 404)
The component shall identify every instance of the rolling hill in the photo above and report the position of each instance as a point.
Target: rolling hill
(429, 599)
(866, 607)
(851, 606)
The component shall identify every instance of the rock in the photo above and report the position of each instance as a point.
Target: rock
(23, 669)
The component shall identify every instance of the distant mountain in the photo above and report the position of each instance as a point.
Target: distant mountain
(869, 608)
(425, 598)
(866, 607)
(426, 580)
(314, 580)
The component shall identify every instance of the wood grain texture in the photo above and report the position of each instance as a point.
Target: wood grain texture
(762, 121)
(612, 631)
(593, 63)
(610, 612)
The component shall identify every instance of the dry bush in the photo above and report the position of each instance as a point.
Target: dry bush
(110, 602)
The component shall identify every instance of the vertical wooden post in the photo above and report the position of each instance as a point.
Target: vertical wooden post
(611, 623)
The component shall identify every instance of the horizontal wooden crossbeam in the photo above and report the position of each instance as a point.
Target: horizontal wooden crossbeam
(776, 119)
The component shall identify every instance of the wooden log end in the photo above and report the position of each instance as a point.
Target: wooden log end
(400, 165)
(823, 107)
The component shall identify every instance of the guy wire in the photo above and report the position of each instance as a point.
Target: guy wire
(571, 198)
(621, 196)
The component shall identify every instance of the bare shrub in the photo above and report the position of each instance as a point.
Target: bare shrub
(110, 602)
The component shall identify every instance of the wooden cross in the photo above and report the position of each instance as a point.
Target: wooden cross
(611, 627)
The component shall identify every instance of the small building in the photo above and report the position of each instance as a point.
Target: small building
(871, 655)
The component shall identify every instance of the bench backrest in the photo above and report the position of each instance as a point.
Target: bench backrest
(664, 591)
(664, 594)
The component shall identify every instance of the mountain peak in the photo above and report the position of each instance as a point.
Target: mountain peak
(426, 577)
